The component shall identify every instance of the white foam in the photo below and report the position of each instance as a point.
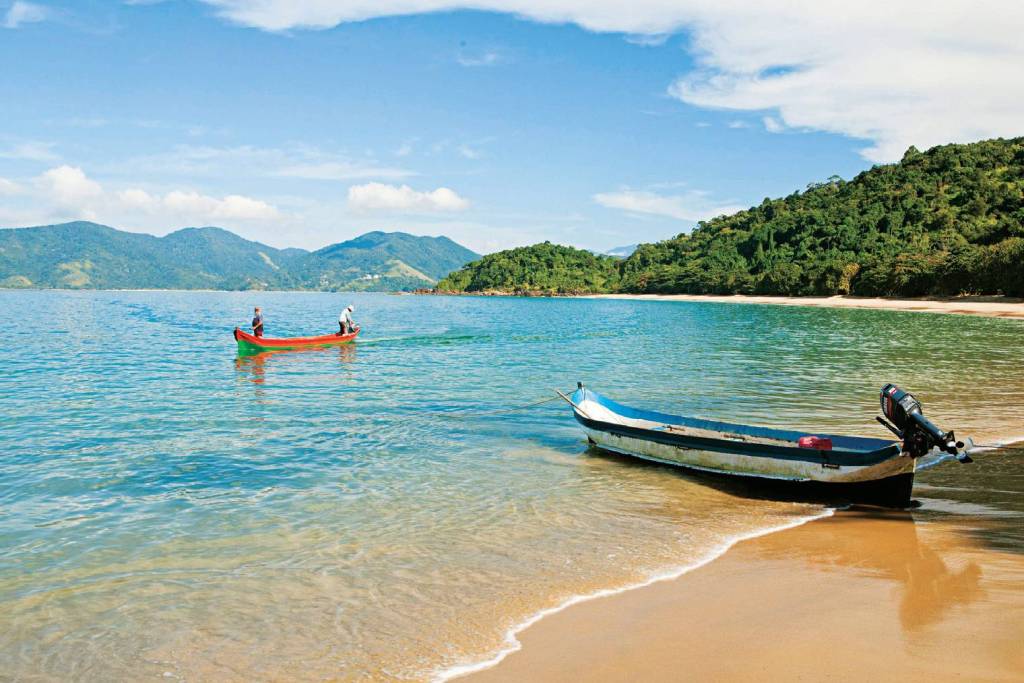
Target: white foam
(512, 644)
(998, 443)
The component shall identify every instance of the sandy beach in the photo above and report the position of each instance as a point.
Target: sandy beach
(990, 306)
(862, 595)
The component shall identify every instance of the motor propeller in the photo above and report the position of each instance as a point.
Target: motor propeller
(919, 434)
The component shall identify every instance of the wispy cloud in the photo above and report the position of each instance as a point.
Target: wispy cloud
(295, 161)
(30, 151)
(772, 124)
(402, 198)
(647, 39)
(486, 58)
(693, 205)
(872, 70)
(340, 170)
(9, 187)
(21, 13)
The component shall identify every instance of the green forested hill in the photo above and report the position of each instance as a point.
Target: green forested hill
(947, 221)
(90, 256)
(542, 267)
(435, 257)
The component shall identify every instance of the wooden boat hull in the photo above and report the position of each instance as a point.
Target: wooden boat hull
(248, 343)
(857, 468)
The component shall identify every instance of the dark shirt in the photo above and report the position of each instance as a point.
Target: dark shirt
(257, 324)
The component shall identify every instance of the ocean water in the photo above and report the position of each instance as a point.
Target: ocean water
(170, 509)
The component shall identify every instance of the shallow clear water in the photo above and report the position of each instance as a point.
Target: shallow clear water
(168, 508)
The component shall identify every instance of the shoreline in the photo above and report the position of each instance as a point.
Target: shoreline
(513, 645)
(493, 667)
(985, 306)
(839, 575)
(990, 306)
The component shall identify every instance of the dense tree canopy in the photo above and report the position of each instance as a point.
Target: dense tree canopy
(947, 221)
(545, 267)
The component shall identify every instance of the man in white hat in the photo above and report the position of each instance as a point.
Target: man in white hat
(345, 323)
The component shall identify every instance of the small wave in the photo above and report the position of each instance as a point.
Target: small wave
(512, 643)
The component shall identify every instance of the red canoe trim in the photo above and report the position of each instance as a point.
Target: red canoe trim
(292, 342)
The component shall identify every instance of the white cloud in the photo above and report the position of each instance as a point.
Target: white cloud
(231, 207)
(401, 198)
(66, 191)
(9, 187)
(894, 73)
(469, 152)
(689, 206)
(138, 199)
(772, 124)
(641, 17)
(31, 151)
(739, 124)
(22, 12)
(69, 187)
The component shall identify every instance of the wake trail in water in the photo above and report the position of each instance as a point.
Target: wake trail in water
(425, 340)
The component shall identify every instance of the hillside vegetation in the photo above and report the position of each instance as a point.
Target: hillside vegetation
(543, 267)
(85, 255)
(947, 221)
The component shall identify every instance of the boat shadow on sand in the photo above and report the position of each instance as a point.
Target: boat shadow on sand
(873, 540)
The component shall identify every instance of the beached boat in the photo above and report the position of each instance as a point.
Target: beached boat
(860, 469)
(249, 343)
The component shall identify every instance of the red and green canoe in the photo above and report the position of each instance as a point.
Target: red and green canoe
(250, 343)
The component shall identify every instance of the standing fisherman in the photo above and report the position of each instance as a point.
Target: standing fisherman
(257, 322)
(345, 323)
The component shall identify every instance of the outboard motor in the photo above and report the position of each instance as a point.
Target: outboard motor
(918, 433)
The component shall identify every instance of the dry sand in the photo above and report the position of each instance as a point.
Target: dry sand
(863, 595)
(991, 306)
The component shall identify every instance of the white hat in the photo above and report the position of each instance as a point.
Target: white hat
(350, 308)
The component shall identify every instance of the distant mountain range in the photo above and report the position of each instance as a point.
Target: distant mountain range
(622, 252)
(83, 255)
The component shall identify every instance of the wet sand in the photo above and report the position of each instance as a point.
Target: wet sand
(990, 306)
(862, 595)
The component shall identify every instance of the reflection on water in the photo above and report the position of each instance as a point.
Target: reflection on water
(253, 366)
(187, 513)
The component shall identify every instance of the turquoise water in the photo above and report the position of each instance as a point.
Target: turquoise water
(172, 509)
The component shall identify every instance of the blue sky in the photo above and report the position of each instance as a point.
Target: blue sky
(307, 122)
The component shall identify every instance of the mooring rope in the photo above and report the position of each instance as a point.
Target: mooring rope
(467, 414)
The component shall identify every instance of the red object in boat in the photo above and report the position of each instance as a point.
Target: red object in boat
(251, 342)
(820, 443)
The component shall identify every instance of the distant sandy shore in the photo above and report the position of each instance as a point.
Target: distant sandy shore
(991, 306)
(862, 595)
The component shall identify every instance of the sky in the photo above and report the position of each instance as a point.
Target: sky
(499, 123)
